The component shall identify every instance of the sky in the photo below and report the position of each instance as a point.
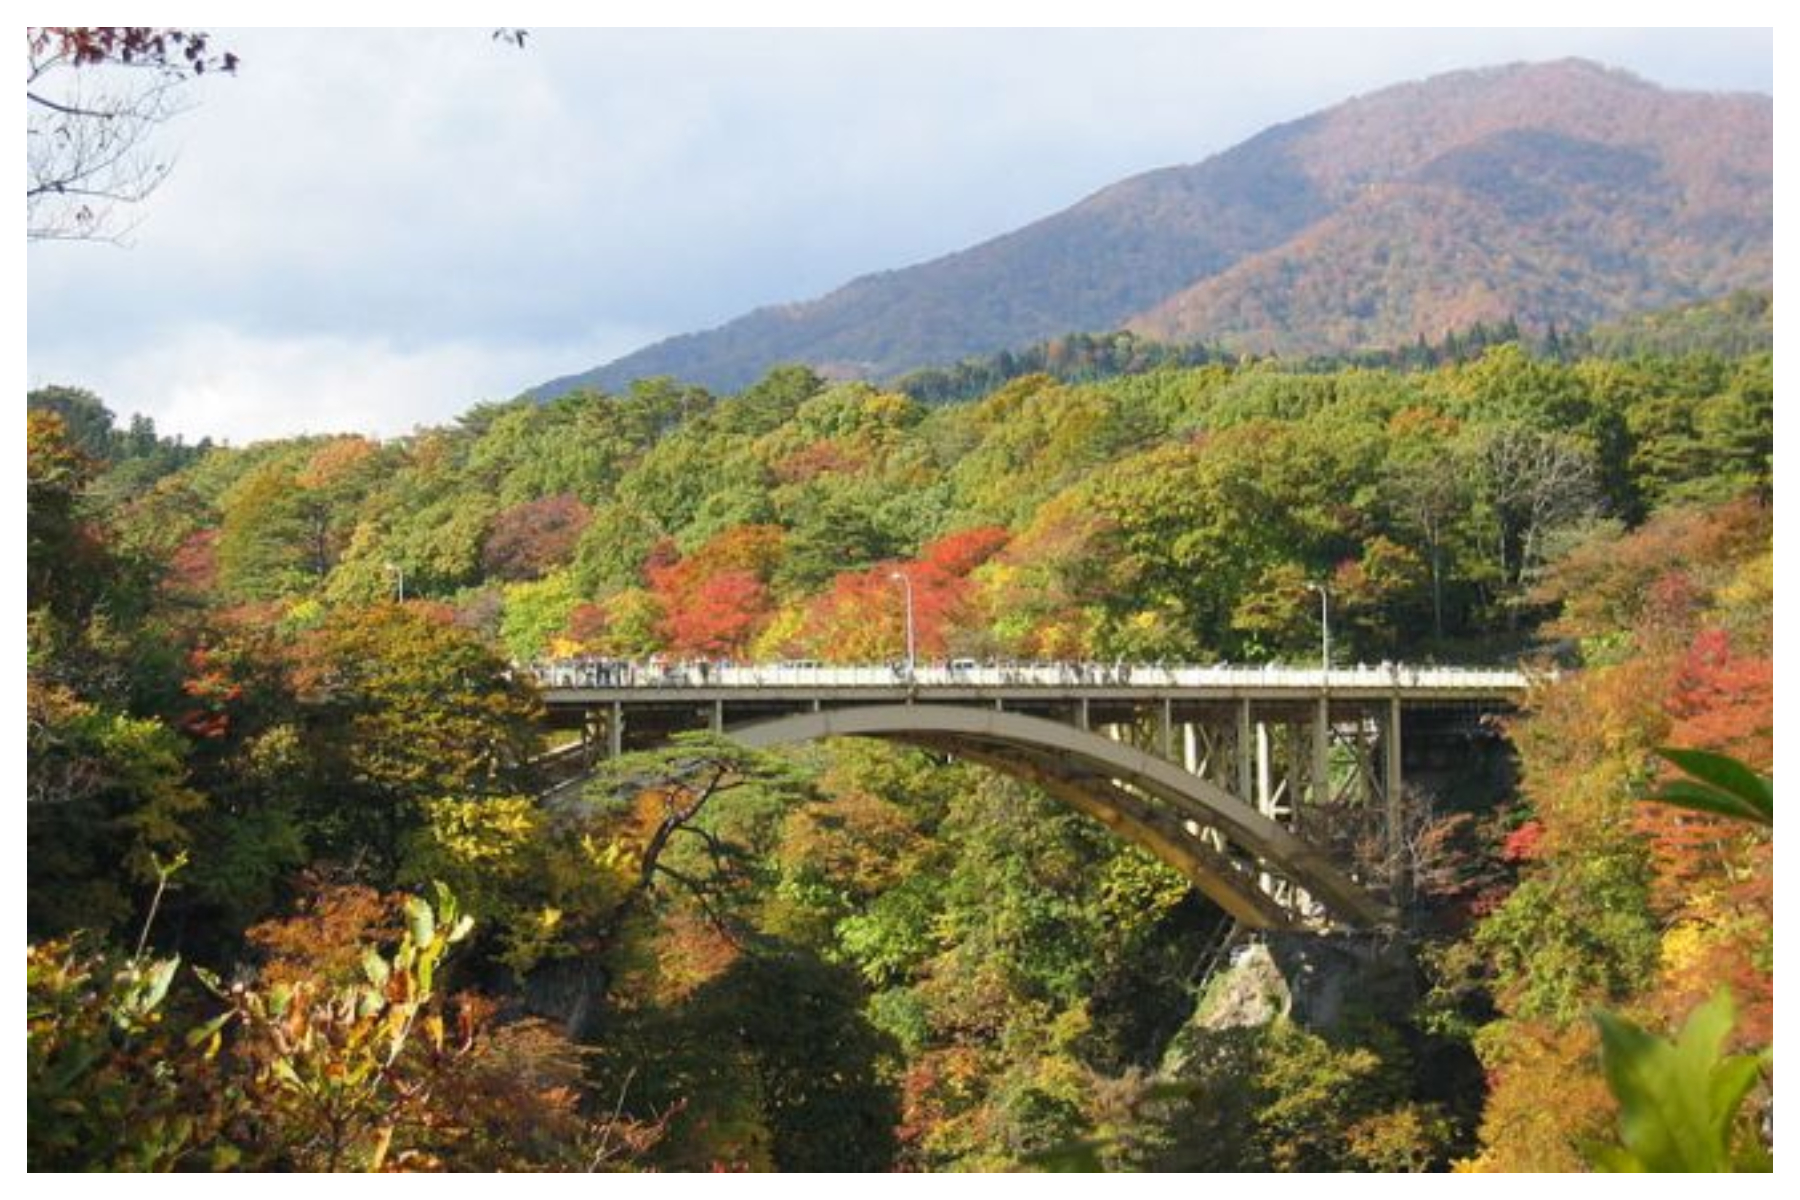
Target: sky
(371, 231)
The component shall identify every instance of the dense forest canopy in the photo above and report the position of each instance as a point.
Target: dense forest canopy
(246, 748)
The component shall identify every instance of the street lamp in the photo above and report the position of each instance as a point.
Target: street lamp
(1324, 623)
(399, 580)
(907, 584)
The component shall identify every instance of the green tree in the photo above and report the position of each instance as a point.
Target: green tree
(270, 537)
(402, 708)
(534, 613)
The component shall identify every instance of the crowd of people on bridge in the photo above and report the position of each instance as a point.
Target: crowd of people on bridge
(608, 673)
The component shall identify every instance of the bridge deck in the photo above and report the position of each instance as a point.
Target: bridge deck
(579, 683)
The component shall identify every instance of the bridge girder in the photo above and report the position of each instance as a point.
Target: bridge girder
(1120, 785)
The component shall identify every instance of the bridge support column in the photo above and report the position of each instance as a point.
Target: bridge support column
(1081, 712)
(1394, 784)
(718, 716)
(1321, 754)
(1165, 729)
(1245, 747)
(615, 731)
(1265, 771)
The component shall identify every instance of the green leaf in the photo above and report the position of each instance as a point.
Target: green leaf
(420, 921)
(375, 967)
(1614, 1160)
(446, 902)
(162, 974)
(1678, 1101)
(1685, 793)
(1718, 784)
(279, 997)
(202, 1034)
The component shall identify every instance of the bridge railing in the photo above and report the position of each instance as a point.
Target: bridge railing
(607, 674)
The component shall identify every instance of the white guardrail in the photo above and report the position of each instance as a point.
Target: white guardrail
(608, 674)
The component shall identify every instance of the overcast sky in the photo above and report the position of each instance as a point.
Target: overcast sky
(371, 231)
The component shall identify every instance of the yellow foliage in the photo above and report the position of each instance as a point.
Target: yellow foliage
(491, 833)
(1546, 1096)
(1684, 946)
(780, 638)
(303, 614)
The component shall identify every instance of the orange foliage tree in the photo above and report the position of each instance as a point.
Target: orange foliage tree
(862, 616)
(716, 599)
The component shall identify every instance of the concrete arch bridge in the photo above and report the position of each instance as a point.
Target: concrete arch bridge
(1225, 773)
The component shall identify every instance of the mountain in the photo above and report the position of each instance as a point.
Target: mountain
(1557, 193)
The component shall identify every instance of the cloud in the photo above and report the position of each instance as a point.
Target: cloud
(442, 210)
(214, 381)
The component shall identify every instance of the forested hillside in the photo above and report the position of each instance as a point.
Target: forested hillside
(1554, 194)
(274, 730)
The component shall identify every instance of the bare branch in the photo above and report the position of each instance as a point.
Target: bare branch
(704, 901)
(95, 98)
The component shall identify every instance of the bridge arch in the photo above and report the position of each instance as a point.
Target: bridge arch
(1151, 802)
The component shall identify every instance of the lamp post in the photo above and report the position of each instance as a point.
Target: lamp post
(399, 580)
(907, 585)
(1324, 624)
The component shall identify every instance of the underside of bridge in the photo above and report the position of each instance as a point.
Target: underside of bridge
(1252, 867)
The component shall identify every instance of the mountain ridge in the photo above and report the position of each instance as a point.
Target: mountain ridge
(1559, 193)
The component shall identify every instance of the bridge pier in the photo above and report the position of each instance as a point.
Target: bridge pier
(1265, 781)
(1245, 752)
(1320, 792)
(1393, 757)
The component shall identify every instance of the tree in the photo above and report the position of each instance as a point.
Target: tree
(94, 98)
(716, 598)
(271, 539)
(404, 708)
(1427, 483)
(533, 613)
(529, 539)
(667, 792)
(862, 616)
(89, 423)
(65, 560)
(1533, 484)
